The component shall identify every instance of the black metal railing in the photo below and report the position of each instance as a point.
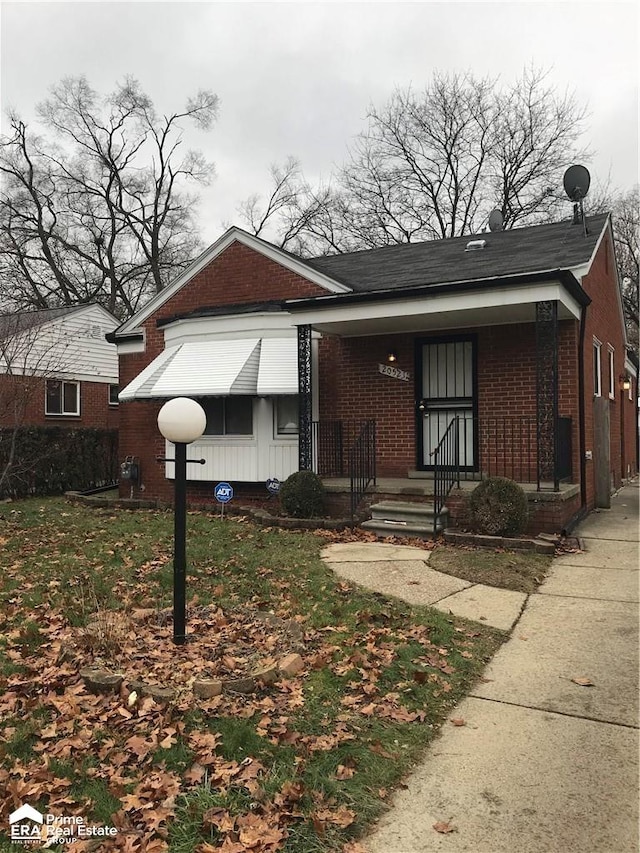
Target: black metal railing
(362, 464)
(446, 468)
(328, 443)
(503, 446)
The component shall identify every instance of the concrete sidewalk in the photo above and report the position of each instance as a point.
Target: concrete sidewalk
(543, 764)
(403, 572)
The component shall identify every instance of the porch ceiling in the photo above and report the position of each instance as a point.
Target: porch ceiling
(498, 306)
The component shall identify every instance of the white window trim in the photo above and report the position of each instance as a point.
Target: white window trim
(597, 383)
(109, 400)
(612, 372)
(62, 414)
(282, 436)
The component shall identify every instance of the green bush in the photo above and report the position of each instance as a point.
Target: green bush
(498, 507)
(53, 459)
(302, 495)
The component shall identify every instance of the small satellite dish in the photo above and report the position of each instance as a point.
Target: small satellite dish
(576, 182)
(496, 220)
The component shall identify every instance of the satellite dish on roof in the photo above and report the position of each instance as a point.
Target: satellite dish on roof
(576, 182)
(496, 220)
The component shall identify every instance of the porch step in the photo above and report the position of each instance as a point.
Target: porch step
(401, 518)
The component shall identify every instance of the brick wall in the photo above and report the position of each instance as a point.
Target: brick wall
(604, 322)
(95, 410)
(629, 429)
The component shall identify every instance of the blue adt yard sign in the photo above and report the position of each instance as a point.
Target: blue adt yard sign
(223, 492)
(273, 485)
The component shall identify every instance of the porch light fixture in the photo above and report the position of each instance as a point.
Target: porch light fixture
(625, 382)
(391, 357)
(181, 421)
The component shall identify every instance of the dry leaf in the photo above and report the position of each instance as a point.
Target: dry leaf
(444, 827)
(457, 721)
(583, 682)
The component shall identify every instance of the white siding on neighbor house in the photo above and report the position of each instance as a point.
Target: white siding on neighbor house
(70, 347)
(239, 459)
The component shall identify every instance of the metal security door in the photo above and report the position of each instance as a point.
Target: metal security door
(446, 376)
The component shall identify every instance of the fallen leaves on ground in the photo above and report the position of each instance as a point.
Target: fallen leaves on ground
(114, 742)
(444, 827)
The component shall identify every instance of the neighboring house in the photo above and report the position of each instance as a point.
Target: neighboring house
(499, 353)
(56, 368)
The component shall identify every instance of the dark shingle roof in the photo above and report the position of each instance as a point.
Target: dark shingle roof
(537, 248)
(10, 324)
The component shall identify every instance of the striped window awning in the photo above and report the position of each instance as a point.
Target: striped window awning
(262, 366)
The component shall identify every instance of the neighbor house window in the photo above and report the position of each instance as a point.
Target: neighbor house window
(62, 398)
(597, 369)
(286, 410)
(113, 395)
(631, 387)
(612, 375)
(228, 415)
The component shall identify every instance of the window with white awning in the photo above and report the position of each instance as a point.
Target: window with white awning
(252, 366)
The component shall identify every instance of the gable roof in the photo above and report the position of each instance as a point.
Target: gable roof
(23, 321)
(232, 235)
(532, 249)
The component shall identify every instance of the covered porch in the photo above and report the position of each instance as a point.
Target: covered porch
(451, 386)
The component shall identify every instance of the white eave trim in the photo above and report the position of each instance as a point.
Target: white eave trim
(233, 235)
(428, 304)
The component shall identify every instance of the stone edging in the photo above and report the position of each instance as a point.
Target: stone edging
(261, 516)
(100, 680)
(458, 537)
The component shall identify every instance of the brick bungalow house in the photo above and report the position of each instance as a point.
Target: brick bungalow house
(56, 368)
(391, 370)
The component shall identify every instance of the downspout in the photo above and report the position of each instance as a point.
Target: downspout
(582, 441)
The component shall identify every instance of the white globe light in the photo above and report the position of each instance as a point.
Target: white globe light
(182, 420)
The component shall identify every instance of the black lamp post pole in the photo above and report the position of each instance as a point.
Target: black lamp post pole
(179, 545)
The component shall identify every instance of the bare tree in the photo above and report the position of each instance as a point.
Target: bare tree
(626, 232)
(433, 164)
(294, 216)
(97, 210)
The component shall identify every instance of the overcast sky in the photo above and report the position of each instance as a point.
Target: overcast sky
(296, 78)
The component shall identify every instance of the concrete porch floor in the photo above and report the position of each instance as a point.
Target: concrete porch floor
(423, 487)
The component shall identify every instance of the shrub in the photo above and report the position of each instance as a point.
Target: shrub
(302, 495)
(498, 507)
(52, 459)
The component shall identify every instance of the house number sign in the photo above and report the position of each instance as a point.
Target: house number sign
(393, 372)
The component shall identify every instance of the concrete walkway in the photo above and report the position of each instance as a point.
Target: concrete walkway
(403, 571)
(543, 764)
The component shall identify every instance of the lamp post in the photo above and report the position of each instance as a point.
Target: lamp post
(181, 421)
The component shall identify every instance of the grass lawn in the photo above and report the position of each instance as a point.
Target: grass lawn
(523, 571)
(303, 765)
